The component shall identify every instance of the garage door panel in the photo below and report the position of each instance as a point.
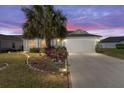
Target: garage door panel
(80, 45)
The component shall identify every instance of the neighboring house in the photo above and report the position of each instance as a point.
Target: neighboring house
(10, 42)
(111, 42)
(76, 42)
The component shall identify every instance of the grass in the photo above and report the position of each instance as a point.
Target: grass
(119, 53)
(18, 74)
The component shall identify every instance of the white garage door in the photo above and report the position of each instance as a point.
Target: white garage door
(81, 45)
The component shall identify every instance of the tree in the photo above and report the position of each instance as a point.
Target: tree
(44, 22)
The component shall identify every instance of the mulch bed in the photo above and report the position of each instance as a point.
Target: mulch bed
(44, 64)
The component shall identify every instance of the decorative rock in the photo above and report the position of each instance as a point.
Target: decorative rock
(6, 65)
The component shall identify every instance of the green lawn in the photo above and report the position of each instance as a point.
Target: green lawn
(119, 53)
(19, 75)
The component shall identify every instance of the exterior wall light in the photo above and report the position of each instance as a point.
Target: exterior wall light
(58, 40)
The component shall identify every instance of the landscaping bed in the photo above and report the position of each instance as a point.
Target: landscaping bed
(52, 59)
(44, 64)
(56, 54)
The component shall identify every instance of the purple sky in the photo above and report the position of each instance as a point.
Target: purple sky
(101, 20)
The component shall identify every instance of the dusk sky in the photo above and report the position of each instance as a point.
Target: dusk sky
(100, 20)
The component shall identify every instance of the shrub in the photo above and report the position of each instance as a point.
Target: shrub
(59, 53)
(35, 50)
(62, 52)
(120, 46)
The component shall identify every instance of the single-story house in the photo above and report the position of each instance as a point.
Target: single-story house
(75, 42)
(111, 42)
(10, 42)
(81, 42)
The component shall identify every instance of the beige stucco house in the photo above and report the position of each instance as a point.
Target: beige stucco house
(75, 42)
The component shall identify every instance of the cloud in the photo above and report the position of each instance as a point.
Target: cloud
(94, 17)
(14, 31)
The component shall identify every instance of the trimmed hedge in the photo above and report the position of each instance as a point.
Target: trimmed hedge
(120, 46)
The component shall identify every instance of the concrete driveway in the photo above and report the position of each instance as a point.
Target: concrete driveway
(96, 70)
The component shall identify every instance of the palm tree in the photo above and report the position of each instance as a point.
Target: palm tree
(44, 22)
